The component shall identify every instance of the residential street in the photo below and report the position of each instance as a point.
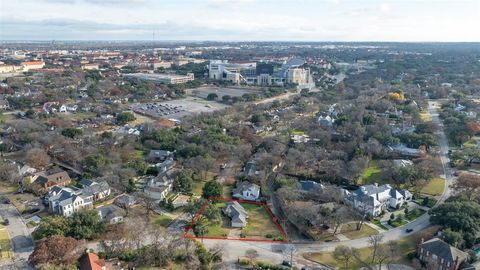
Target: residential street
(22, 241)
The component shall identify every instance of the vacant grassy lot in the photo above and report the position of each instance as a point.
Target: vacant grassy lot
(5, 244)
(259, 223)
(406, 245)
(372, 174)
(350, 231)
(435, 187)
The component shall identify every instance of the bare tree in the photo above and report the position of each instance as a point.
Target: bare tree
(37, 158)
(343, 254)
(375, 241)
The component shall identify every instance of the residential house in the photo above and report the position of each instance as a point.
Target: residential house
(66, 201)
(43, 181)
(165, 166)
(373, 199)
(91, 261)
(403, 150)
(158, 188)
(125, 201)
(159, 155)
(97, 190)
(111, 214)
(246, 191)
(442, 256)
(237, 214)
(250, 169)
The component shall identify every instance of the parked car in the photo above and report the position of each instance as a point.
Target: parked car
(6, 222)
(5, 200)
(409, 230)
(286, 263)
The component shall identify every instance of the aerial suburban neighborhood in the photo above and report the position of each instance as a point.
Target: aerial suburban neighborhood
(126, 153)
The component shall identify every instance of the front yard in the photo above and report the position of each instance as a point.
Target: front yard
(260, 225)
(350, 231)
(405, 246)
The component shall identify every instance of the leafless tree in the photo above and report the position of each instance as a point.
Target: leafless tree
(375, 241)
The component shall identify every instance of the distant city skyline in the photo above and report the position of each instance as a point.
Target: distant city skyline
(238, 20)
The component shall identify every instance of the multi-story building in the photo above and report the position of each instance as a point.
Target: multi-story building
(233, 72)
(439, 255)
(373, 199)
(162, 78)
(31, 65)
(65, 201)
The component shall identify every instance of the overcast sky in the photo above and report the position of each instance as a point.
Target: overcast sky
(296, 20)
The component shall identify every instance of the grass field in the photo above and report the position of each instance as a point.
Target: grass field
(5, 244)
(259, 223)
(435, 187)
(414, 214)
(372, 174)
(405, 246)
(350, 231)
(162, 221)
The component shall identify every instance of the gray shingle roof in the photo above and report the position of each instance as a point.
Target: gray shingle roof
(443, 250)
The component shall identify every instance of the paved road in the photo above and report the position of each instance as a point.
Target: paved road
(235, 249)
(22, 241)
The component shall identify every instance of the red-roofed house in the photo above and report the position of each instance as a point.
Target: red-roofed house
(90, 261)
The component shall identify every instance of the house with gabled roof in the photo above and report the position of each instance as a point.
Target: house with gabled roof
(373, 199)
(237, 214)
(246, 191)
(439, 254)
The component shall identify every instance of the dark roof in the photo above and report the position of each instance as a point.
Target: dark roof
(443, 250)
(96, 188)
(110, 211)
(125, 200)
(308, 185)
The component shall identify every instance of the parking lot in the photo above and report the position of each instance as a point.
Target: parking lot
(203, 92)
(176, 109)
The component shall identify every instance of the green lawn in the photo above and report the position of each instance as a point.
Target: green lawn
(161, 221)
(414, 214)
(372, 174)
(379, 224)
(297, 132)
(259, 223)
(397, 223)
(421, 201)
(350, 231)
(435, 187)
(470, 143)
(5, 244)
(406, 245)
(198, 187)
